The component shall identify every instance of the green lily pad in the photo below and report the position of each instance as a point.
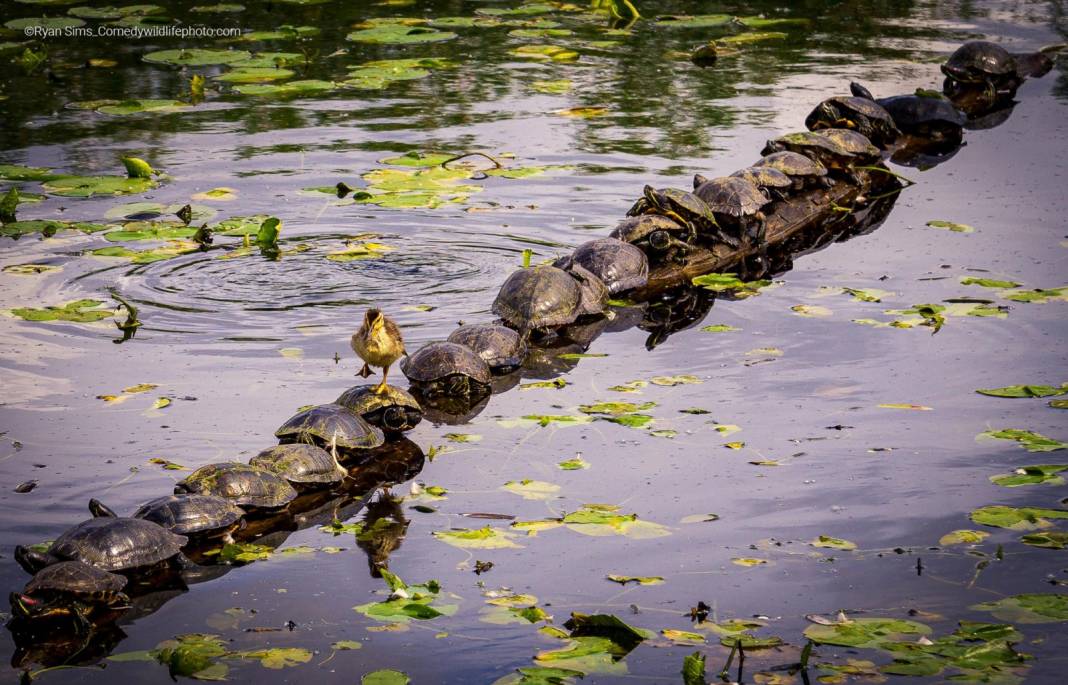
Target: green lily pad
(173, 248)
(699, 21)
(554, 53)
(640, 580)
(78, 311)
(555, 87)
(127, 107)
(399, 34)
(1029, 608)
(385, 676)
(418, 158)
(111, 12)
(576, 464)
(150, 230)
(750, 642)
(719, 328)
(988, 282)
(262, 60)
(255, 75)
(1032, 442)
(601, 520)
(1025, 391)
(1053, 539)
(951, 226)
(49, 227)
(723, 282)
(615, 408)
(1058, 404)
(1037, 296)
(292, 88)
(88, 186)
(419, 602)
(220, 8)
(13, 172)
(1031, 475)
(486, 537)
(277, 657)
(193, 655)
(240, 225)
(963, 537)
(1017, 518)
(196, 57)
(44, 23)
(867, 632)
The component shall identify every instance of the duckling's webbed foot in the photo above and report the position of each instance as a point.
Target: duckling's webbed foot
(365, 371)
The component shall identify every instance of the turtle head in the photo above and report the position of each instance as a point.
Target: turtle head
(99, 510)
(457, 385)
(660, 240)
(25, 607)
(860, 91)
(30, 560)
(698, 181)
(395, 419)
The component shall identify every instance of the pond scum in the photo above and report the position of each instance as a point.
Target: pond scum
(692, 249)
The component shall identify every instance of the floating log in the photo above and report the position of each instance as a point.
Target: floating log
(786, 219)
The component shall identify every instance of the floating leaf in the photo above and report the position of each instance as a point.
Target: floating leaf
(683, 637)
(693, 669)
(478, 538)
(532, 489)
(867, 295)
(255, 75)
(719, 328)
(556, 384)
(216, 195)
(576, 464)
(963, 537)
(88, 186)
(640, 580)
(463, 437)
(750, 642)
(385, 676)
(700, 518)
(867, 632)
(1054, 539)
(1029, 608)
(600, 520)
(346, 645)
(1031, 475)
(833, 543)
(950, 226)
(553, 53)
(632, 386)
(912, 407)
(277, 657)
(1032, 442)
(669, 381)
(29, 269)
(1025, 391)
(812, 311)
(720, 282)
(557, 87)
(196, 57)
(399, 34)
(78, 311)
(305, 87)
(583, 112)
(988, 282)
(749, 561)
(734, 445)
(1017, 518)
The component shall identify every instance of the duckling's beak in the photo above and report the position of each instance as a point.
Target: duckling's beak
(372, 318)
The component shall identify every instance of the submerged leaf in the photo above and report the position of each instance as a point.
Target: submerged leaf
(532, 489)
(478, 538)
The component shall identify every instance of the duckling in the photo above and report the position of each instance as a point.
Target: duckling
(378, 343)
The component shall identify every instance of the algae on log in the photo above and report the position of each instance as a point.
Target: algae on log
(809, 210)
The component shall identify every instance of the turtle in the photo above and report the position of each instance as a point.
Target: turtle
(306, 467)
(244, 485)
(980, 62)
(537, 297)
(737, 204)
(332, 427)
(858, 114)
(657, 236)
(682, 206)
(203, 516)
(109, 544)
(447, 368)
(804, 172)
(594, 292)
(838, 149)
(620, 265)
(500, 346)
(71, 589)
(393, 410)
(776, 183)
(925, 113)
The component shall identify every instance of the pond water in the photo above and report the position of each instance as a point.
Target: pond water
(793, 439)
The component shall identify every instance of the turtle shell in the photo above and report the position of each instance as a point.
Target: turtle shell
(635, 228)
(117, 544)
(859, 113)
(393, 409)
(792, 164)
(731, 195)
(978, 59)
(500, 346)
(75, 578)
(331, 425)
(300, 464)
(765, 176)
(827, 142)
(538, 297)
(594, 291)
(911, 112)
(856, 144)
(688, 205)
(618, 264)
(244, 485)
(191, 514)
(438, 360)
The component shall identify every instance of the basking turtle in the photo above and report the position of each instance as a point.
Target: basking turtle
(594, 292)
(331, 427)
(657, 236)
(69, 589)
(837, 149)
(620, 265)
(244, 485)
(773, 181)
(499, 346)
(804, 172)
(926, 114)
(204, 516)
(858, 114)
(306, 467)
(538, 297)
(445, 368)
(393, 411)
(684, 207)
(737, 204)
(981, 62)
(109, 544)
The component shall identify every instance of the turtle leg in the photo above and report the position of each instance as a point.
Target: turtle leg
(365, 371)
(381, 387)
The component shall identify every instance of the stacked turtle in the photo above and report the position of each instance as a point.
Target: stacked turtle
(84, 572)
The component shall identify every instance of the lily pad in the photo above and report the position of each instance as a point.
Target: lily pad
(1029, 608)
(88, 186)
(951, 226)
(305, 87)
(988, 282)
(277, 657)
(385, 676)
(833, 543)
(14, 172)
(963, 537)
(196, 57)
(45, 23)
(532, 489)
(576, 464)
(867, 632)
(78, 311)
(1053, 539)
(1032, 475)
(49, 227)
(600, 520)
(399, 34)
(255, 75)
(640, 580)
(553, 53)
(486, 537)
(1025, 391)
(1017, 518)
(1031, 441)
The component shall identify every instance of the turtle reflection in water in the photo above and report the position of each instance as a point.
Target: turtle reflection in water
(70, 590)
